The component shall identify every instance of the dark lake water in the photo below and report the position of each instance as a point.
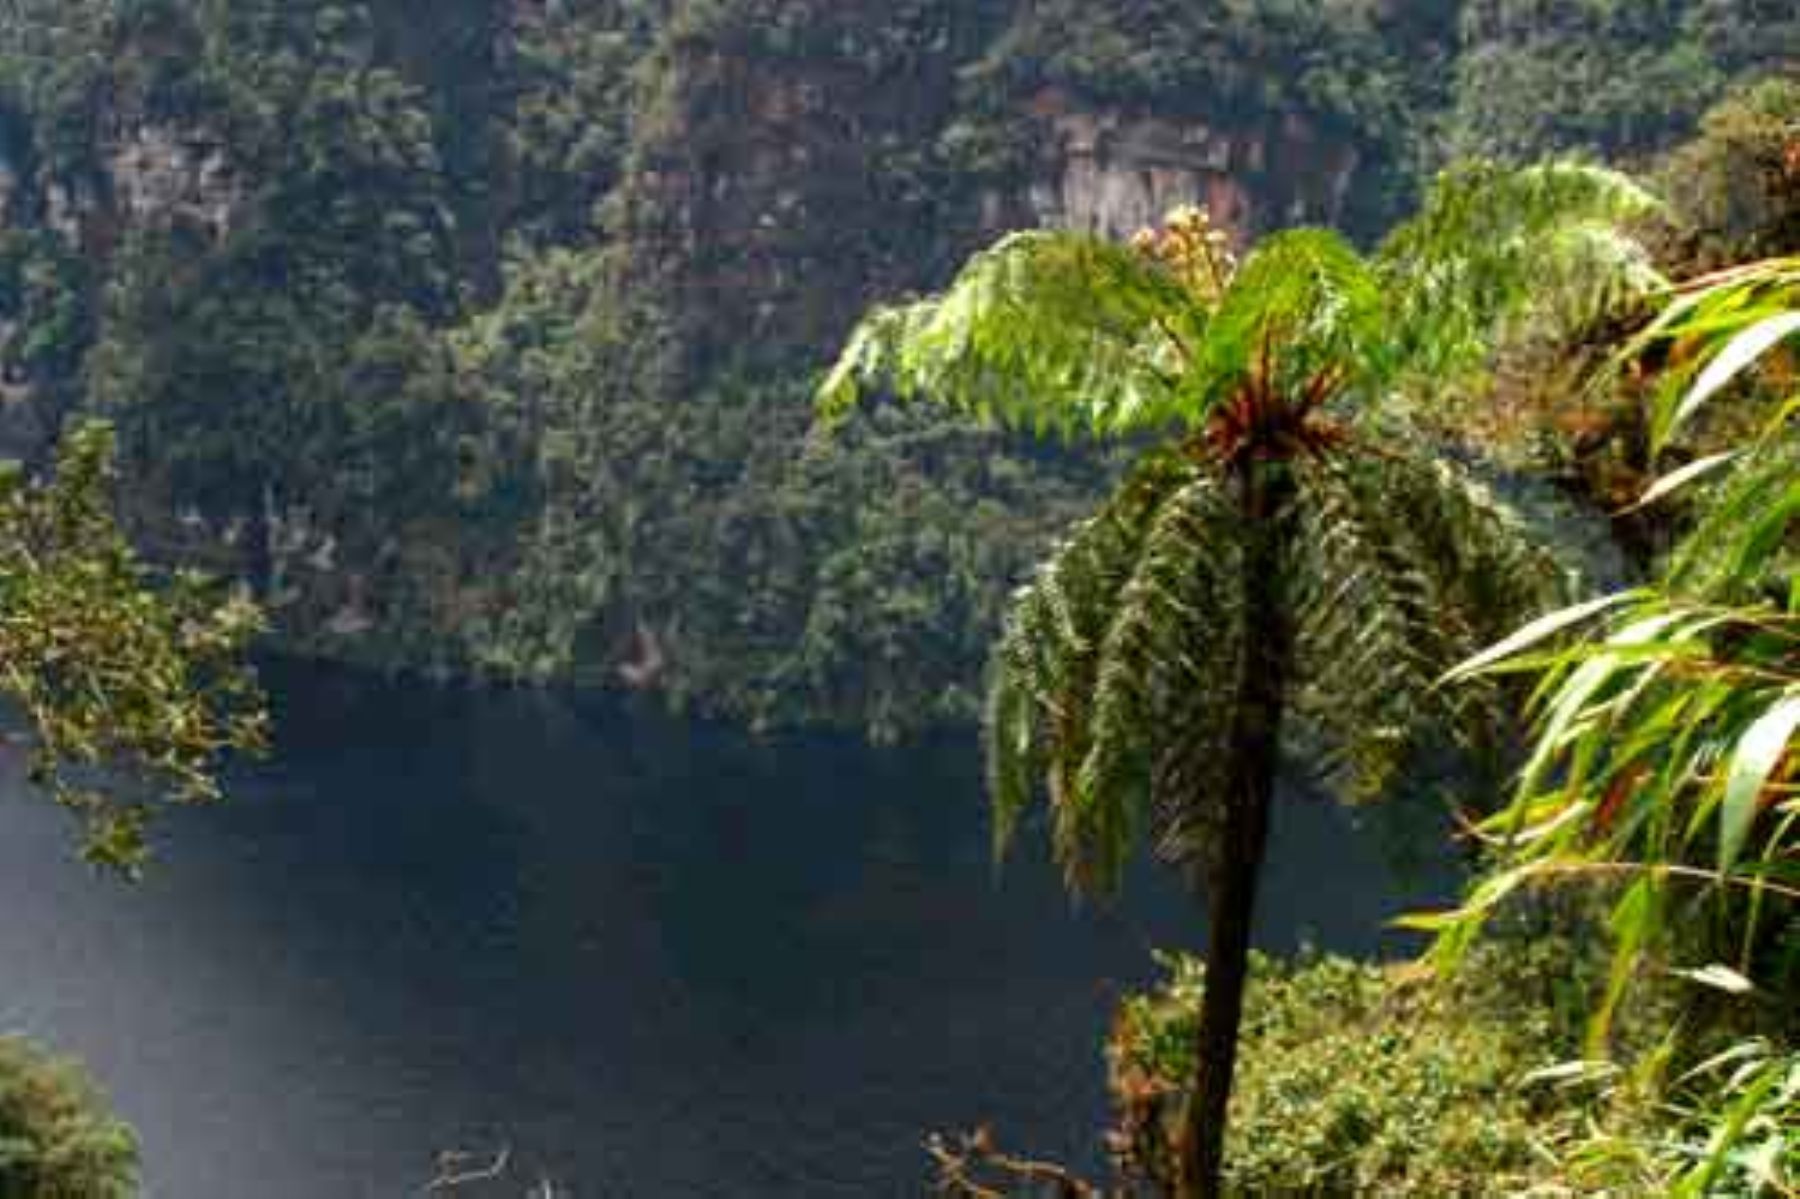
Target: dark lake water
(651, 957)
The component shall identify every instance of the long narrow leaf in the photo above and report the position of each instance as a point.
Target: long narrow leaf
(1539, 630)
(1758, 752)
(1675, 480)
(1737, 356)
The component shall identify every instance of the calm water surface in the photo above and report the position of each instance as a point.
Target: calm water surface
(651, 957)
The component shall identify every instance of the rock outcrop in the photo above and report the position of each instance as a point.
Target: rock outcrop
(776, 201)
(1111, 172)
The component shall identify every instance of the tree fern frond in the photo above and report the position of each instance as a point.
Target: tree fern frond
(1409, 566)
(1168, 644)
(1011, 735)
(1363, 646)
(1303, 300)
(1589, 270)
(1486, 243)
(1044, 669)
(1046, 332)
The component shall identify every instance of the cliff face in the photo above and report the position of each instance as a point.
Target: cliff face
(780, 195)
(772, 189)
(167, 176)
(776, 198)
(1112, 172)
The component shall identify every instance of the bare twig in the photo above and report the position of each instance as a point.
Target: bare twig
(962, 1168)
(460, 1169)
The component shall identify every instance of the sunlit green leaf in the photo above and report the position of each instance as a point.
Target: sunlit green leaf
(1758, 752)
(1737, 356)
(1539, 630)
(1677, 479)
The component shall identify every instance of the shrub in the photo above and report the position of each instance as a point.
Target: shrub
(1357, 1078)
(57, 1138)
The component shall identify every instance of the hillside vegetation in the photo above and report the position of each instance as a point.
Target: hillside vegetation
(477, 339)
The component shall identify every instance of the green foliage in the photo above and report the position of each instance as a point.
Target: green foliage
(848, 581)
(132, 691)
(1365, 1079)
(268, 347)
(1736, 186)
(289, 344)
(1112, 679)
(870, 39)
(1737, 1131)
(1591, 75)
(571, 130)
(1661, 733)
(42, 294)
(57, 1140)
(1661, 757)
(331, 389)
(1497, 254)
(1373, 1079)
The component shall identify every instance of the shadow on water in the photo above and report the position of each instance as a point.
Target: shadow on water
(652, 957)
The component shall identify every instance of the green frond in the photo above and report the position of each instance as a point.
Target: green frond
(1487, 243)
(1157, 701)
(1304, 300)
(1044, 669)
(1105, 689)
(1589, 269)
(1408, 565)
(1044, 332)
(1361, 662)
(1195, 760)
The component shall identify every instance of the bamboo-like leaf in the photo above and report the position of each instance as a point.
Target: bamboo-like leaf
(1758, 752)
(1725, 1137)
(1737, 356)
(1487, 896)
(1541, 629)
(1766, 534)
(1634, 920)
(1573, 1073)
(1719, 978)
(1675, 480)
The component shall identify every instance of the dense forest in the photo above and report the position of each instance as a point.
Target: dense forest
(481, 344)
(1400, 401)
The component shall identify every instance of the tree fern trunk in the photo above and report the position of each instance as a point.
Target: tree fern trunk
(1232, 879)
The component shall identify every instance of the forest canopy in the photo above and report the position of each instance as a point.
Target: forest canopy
(520, 383)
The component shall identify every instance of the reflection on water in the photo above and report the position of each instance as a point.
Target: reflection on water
(650, 957)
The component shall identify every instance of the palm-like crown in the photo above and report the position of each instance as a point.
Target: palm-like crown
(1113, 680)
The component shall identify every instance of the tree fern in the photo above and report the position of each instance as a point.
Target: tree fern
(1280, 549)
